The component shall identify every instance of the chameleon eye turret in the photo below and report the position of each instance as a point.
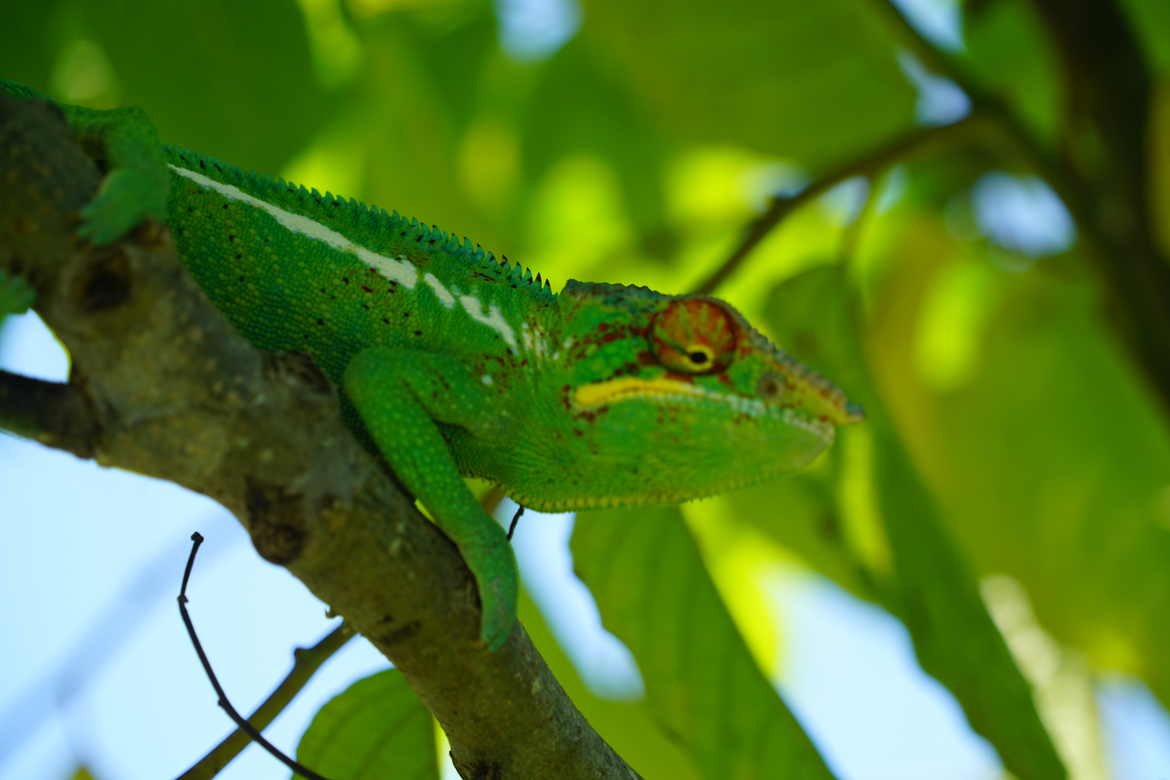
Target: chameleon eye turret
(694, 336)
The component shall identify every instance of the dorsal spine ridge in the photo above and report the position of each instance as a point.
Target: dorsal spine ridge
(276, 188)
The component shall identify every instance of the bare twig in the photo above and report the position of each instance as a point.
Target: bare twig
(871, 162)
(307, 661)
(222, 699)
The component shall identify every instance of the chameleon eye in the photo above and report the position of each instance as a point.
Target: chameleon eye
(694, 336)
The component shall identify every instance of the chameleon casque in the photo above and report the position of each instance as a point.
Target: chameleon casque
(454, 362)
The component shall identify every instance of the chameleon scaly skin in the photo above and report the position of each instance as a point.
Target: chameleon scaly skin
(454, 362)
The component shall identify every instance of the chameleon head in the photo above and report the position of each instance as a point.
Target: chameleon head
(670, 398)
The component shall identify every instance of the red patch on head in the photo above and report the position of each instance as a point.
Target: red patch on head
(694, 336)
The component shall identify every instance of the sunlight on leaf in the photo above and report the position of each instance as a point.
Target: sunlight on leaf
(702, 684)
(376, 728)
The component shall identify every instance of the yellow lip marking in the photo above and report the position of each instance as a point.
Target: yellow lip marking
(599, 393)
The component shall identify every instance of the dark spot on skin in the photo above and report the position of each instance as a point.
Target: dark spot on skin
(239, 255)
(386, 320)
(418, 333)
(345, 280)
(240, 279)
(202, 165)
(578, 432)
(405, 314)
(320, 321)
(106, 285)
(367, 289)
(224, 207)
(232, 237)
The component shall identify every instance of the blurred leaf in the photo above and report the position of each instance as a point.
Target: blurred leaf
(578, 106)
(626, 724)
(812, 82)
(1151, 18)
(1007, 51)
(410, 119)
(702, 685)
(81, 773)
(1160, 166)
(1051, 461)
(376, 728)
(29, 52)
(234, 80)
(933, 590)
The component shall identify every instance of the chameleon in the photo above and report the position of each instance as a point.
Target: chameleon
(454, 362)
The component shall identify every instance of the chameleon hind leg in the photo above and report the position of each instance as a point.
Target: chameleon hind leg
(401, 396)
(125, 143)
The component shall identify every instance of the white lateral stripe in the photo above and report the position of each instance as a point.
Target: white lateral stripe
(442, 293)
(397, 270)
(489, 316)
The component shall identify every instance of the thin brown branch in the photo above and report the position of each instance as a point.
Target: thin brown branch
(306, 662)
(869, 163)
(177, 394)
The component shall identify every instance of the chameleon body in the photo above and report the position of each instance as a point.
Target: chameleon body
(455, 362)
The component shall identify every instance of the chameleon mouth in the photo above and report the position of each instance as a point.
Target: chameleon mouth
(597, 394)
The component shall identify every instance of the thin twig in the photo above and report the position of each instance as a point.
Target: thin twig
(872, 162)
(196, 540)
(307, 661)
(515, 519)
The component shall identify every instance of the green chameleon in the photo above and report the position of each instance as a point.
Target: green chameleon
(455, 363)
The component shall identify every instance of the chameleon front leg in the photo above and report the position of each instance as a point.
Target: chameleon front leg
(399, 395)
(125, 143)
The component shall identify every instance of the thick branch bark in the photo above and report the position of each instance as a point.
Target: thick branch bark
(177, 394)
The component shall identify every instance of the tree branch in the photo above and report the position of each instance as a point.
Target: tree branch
(177, 394)
(871, 162)
(1108, 198)
(307, 660)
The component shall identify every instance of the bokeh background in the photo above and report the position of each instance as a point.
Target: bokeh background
(633, 142)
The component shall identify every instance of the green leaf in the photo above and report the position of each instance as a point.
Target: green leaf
(1008, 51)
(577, 107)
(812, 82)
(702, 685)
(376, 728)
(625, 724)
(932, 588)
(221, 90)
